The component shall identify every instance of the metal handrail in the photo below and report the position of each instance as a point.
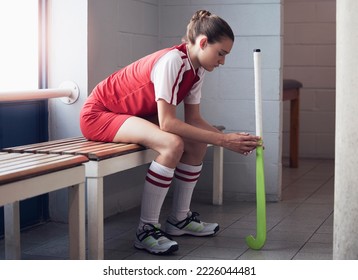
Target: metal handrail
(68, 92)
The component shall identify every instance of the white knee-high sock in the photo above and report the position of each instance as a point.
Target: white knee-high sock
(186, 177)
(156, 186)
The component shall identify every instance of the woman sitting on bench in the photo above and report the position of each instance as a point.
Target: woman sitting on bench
(137, 104)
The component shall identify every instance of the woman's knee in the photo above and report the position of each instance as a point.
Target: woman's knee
(171, 149)
(175, 146)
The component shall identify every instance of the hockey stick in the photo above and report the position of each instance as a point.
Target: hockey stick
(258, 242)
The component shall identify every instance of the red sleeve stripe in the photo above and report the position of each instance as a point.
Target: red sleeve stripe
(176, 83)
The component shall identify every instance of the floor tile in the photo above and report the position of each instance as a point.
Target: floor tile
(217, 252)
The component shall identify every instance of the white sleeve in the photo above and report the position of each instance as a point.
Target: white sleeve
(166, 73)
(194, 95)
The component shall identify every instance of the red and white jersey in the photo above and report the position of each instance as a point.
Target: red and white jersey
(166, 74)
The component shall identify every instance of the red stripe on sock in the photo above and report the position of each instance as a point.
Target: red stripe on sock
(158, 176)
(187, 172)
(156, 183)
(186, 179)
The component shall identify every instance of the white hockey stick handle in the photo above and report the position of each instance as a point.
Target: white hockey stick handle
(258, 95)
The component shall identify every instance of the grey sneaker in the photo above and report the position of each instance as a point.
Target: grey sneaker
(152, 239)
(191, 226)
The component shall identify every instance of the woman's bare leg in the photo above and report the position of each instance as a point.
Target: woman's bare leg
(187, 174)
(158, 179)
(140, 131)
(194, 152)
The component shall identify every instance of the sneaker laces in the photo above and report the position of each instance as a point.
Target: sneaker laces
(151, 230)
(192, 217)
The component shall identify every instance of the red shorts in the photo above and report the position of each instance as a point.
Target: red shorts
(99, 124)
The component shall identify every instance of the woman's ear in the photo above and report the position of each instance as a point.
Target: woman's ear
(203, 42)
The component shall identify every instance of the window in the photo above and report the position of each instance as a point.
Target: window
(22, 122)
(19, 48)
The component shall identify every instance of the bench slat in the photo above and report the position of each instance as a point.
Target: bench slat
(42, 144)
(116, 151)
(49, 163)
(9, 156)
(85, 147)
(19, 164)
(79, 146)
(17, 159)
(56, 149)
(47, 146)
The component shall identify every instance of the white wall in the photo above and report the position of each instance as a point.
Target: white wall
(67, 61)
(119, 32)
(309, 56)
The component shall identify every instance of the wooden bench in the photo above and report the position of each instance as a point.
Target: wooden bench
(106, 159)
(291, 91)
(24, 176)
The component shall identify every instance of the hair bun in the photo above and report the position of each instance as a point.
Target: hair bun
(200, 14)
(205, 23)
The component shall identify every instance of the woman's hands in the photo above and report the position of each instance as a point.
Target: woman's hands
(243, 143)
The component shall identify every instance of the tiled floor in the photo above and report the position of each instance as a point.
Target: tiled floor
(298, 227)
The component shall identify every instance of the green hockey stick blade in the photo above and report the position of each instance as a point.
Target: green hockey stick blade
(258, 242)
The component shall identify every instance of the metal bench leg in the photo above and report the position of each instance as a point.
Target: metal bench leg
(12, 231)
(77, 221)
(95, 218)
(218, 175)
